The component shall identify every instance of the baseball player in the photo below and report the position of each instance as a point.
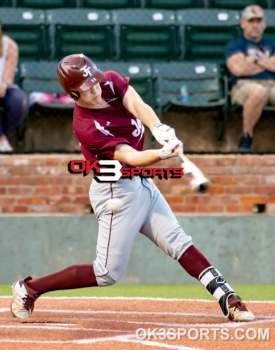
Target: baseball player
(108, 122)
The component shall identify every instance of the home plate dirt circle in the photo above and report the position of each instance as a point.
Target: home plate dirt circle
(134, 323)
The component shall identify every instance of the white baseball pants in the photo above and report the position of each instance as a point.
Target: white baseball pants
(144, 210)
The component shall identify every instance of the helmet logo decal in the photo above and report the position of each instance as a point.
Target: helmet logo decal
(86, 70)
(62, 73)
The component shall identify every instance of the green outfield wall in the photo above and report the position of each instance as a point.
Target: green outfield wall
(241, 247)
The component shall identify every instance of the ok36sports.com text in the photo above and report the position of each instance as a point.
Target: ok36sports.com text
(203, 333)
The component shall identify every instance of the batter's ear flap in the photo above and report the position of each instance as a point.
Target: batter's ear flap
(75, 94)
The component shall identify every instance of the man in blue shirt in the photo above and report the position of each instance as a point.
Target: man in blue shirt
(251, 61)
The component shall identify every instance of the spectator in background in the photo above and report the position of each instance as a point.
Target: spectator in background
(251, 61)
(13, 99)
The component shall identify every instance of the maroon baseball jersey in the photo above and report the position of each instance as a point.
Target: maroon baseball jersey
(100, 130)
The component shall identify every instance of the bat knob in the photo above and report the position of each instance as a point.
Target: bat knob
(203, 188)
(199, 185)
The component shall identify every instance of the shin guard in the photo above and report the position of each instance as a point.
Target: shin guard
(213, 281)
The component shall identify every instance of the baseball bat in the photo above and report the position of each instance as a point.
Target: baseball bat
(195, 177)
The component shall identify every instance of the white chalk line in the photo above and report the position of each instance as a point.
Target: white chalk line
(159, 345)
(98, 340)
(267, 318)
(124, 338)
(120, 312)
(94, 312)
(140, 298)
(31, 326)
(56, 324)
(78, 341)
(227, 324)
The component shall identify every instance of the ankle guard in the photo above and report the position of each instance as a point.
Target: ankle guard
(217, 286)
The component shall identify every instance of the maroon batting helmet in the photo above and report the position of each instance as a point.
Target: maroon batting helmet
(78, 73)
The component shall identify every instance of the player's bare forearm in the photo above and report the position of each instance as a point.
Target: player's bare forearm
(242, 66)
(146, 115)
(267, 63)
(134, 104)
(126, 154)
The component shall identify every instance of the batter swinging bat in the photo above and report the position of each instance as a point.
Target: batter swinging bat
(195, 177)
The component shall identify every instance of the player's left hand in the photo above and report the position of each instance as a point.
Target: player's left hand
(163, 133)
(172, 149)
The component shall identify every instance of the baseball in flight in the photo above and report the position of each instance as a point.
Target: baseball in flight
(114, 204)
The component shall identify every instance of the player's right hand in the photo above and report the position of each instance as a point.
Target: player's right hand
(172, 149)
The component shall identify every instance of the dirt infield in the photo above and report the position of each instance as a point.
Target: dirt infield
(112, 323)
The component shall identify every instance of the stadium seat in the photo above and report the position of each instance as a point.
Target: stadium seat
(111, 4)
(235, 4)
(146, 35)
(141, 78)
(46, 4)
(174, 4)
(206, 33)
(35, 76)
(206, 88)
(81, 31)
(28, 28)
(41, 77)
(6, 3)
(269, 32)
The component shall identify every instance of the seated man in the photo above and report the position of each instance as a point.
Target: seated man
(251, 62)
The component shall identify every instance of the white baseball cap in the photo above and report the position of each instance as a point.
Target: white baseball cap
(252, 11)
